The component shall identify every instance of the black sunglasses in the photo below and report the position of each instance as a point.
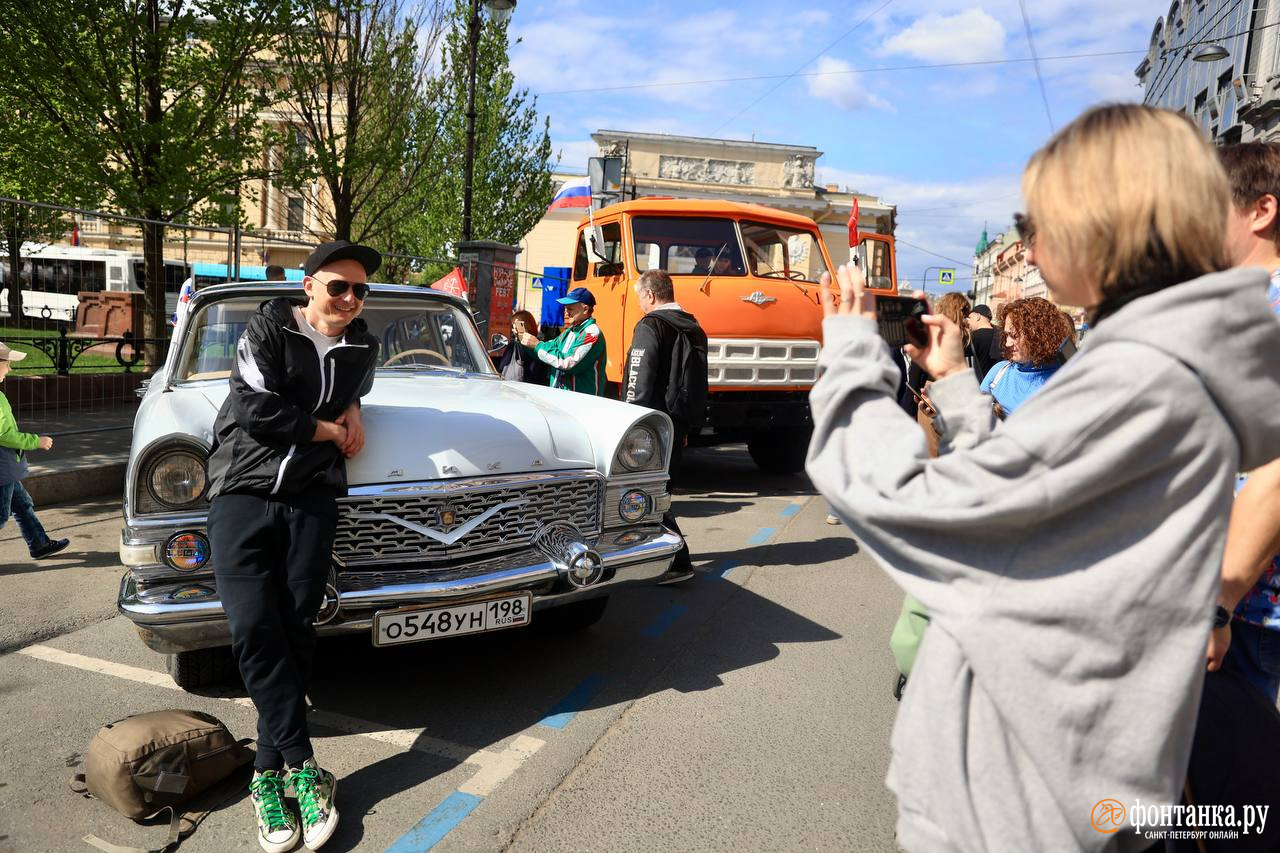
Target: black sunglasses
(1026, 227)
(337, 287)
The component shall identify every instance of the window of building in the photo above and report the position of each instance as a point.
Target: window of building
(296, 220)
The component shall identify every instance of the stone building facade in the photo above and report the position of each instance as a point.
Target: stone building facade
(1234, 98)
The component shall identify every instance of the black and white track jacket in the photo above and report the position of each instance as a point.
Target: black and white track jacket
(280, 386)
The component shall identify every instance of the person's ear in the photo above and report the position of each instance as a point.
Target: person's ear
(1265, 211)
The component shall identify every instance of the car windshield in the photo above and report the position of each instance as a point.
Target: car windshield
(415, 334)
(774, 251)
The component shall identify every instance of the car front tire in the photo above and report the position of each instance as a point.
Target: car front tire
(202, 668)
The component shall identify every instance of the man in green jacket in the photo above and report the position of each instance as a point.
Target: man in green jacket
(14, 499)
(577, 357)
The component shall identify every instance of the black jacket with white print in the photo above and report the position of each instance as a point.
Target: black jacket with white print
(281, 384)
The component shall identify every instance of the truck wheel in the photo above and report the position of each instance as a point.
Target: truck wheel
(571, 618)
(202, 667)
(781, 450)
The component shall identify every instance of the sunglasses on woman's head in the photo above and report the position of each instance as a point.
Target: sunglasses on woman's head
(337, 287)
(1025, 227)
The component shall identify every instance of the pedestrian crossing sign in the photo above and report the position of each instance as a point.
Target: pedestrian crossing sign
(946, 277)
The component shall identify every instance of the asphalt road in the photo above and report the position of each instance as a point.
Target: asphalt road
(748, 709)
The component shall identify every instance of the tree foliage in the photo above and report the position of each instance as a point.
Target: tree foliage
(513, 161)
(358, 89)
(151, 100)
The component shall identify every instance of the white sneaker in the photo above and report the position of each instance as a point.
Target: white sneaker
(832, 518)
(277, 827)
(315, 789)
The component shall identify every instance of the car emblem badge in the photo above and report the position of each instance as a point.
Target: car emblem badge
(758, 298)
(448, 517)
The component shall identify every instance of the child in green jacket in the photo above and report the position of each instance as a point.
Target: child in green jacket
(14, 499)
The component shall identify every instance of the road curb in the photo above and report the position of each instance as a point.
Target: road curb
(76, 483)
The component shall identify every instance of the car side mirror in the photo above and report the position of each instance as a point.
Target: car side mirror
(498, 343)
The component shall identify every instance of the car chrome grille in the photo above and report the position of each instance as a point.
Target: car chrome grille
(366, 537)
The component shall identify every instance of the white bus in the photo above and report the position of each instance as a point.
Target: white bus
(53, 275)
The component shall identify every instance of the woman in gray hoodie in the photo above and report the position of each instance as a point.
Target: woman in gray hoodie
(1068, 555)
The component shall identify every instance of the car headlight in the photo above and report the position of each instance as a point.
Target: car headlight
(640, 449)
(176, 479)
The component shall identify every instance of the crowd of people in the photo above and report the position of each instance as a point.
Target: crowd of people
(1067, 537)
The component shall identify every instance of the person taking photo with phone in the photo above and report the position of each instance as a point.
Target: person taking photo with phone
(1068, 556)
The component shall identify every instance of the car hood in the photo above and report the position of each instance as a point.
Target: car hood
(432, 426)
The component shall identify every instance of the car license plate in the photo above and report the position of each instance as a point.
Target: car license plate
(431, 623)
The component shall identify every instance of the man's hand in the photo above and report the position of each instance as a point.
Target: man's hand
(45, 442)
(330, 431)
(1219, 642)
(531, 341)
(352, 420)
(944, 355)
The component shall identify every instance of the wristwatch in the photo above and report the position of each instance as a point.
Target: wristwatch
(1221, 617)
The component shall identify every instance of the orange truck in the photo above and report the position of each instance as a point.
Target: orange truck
(750, 275)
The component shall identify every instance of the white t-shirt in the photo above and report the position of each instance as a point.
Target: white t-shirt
(322, 343)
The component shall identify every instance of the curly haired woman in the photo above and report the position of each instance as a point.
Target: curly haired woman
(1033, 331)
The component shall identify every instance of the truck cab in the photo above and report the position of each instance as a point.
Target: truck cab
(750, 275)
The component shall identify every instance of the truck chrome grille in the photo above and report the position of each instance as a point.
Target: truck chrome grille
(373, 528)
(755, 363)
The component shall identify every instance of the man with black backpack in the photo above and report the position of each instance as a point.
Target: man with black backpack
(667, 370)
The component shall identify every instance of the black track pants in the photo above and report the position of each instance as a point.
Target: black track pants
(683, 561)
(271, 559)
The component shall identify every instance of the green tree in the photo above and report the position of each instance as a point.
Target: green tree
(32, 169)
(361, 97)
(513, 160)
(153, 101)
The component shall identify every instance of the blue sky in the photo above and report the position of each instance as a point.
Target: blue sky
(947, 145)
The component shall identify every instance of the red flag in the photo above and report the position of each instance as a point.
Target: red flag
(853, 224)
(75, 234)
(453, 284)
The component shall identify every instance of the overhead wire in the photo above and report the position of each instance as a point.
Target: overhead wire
(1044, 94)
(876, 70)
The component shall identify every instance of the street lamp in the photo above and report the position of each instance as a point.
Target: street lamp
(1210, 53)
(500, 11)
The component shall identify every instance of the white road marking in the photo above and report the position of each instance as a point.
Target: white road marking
(494, 767)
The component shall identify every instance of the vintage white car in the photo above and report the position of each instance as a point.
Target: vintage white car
(475, 504)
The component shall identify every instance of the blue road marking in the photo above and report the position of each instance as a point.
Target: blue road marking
(452, 810)
(791, 509)
(568, 707)
(762, 536)
(729, 565)
(664, 620)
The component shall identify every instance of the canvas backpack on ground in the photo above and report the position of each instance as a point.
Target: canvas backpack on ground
(148, 763)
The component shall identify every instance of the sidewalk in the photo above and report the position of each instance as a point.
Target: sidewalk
(89, 455)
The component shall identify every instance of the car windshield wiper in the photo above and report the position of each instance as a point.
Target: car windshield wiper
(439, 368)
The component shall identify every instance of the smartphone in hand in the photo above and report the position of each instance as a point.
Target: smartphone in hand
(899, 319)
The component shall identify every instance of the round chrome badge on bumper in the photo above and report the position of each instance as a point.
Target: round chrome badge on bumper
(576, 562)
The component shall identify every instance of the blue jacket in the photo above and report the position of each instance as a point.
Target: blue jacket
(1013, 386)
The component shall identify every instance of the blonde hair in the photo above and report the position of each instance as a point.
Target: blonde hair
(954, 306)
(1130, 198)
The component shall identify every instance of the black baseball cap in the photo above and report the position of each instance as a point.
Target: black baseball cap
(983, 310)
(343, 250)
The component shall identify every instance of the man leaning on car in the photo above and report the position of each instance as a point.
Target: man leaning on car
(277, 468)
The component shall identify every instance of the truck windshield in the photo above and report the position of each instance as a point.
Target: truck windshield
(775, 251)
(686, 246)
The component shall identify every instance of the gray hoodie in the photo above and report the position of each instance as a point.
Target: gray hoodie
(1068, 556)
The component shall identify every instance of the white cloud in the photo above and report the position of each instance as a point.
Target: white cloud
(837, 85)
(967, 36)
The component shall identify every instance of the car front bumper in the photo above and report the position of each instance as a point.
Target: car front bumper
(187, 614)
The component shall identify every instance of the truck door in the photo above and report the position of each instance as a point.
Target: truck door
(599, 267)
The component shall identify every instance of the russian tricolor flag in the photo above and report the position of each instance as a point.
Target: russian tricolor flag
(572, 193)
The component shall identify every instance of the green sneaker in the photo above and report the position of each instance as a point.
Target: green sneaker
(314, 788)
(277, 827)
